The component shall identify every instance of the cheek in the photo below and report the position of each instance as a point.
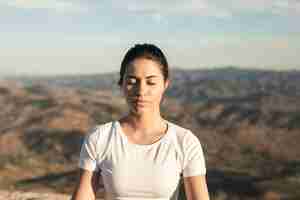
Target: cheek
(157, 94)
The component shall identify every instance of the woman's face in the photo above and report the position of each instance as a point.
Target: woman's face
(143, 86)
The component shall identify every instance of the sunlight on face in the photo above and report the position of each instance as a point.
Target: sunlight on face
(144, 85)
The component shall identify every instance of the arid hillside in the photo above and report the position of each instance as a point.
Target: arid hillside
(250, 141)
(20, 195)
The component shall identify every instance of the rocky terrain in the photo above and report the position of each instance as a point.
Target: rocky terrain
(250, 138)
(19, 195)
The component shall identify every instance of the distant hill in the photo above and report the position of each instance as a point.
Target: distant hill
(190, 86)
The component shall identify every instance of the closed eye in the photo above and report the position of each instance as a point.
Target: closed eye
(151, 83)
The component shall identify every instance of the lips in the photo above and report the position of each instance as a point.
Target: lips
(139, 101)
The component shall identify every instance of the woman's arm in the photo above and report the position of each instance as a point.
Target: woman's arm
(87, 185)
(196, 188)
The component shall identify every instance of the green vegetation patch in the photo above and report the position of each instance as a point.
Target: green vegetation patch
(42, 103)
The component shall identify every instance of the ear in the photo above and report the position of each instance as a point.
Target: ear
(167, 83)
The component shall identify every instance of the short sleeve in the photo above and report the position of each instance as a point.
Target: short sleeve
(88, 154)
(194, 161)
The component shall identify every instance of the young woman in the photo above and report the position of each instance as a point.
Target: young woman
(142, 155)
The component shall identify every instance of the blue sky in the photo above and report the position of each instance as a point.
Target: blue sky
(76, 36)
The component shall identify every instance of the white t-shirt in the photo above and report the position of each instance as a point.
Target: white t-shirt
(137, 171)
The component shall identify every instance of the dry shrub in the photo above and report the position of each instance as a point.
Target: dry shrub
(271, 195)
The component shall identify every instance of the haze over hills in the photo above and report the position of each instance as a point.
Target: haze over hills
(248, 122)
(202, 84)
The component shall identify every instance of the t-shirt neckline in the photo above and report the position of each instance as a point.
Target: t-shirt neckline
(120, 132)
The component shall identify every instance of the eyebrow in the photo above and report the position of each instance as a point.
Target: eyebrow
(147, 77)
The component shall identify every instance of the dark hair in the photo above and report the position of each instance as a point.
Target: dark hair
(148, 51)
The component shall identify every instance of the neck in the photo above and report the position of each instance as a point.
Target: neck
(145, 122)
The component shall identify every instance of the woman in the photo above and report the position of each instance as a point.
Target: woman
(142, 155)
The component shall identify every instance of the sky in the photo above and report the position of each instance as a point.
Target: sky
(42, 37)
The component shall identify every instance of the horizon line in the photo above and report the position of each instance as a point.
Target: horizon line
(176, 68)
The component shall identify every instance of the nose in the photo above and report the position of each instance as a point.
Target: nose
(142, 89)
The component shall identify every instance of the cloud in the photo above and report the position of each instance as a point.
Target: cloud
(211, 8)
(290, 6)
(170, 7)
(60, 6)
(157, 9)
(275, 7)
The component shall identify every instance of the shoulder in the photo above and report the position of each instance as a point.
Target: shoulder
(182, 133)
(183, 136)
(99, 130)
(105, 127)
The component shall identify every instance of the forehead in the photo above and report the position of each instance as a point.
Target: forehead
(143, 67)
